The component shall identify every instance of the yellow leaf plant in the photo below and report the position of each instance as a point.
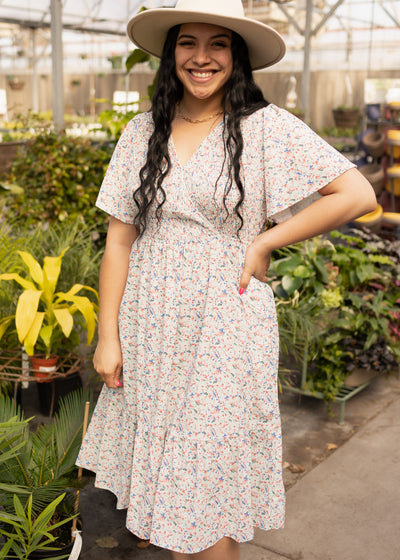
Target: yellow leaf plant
(41, 312)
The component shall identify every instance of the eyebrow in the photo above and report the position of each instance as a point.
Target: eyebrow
(220, 35)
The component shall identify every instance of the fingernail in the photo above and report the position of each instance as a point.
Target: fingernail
(118, 383)
(241, 291)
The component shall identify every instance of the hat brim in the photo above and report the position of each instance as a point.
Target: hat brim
(148, 31)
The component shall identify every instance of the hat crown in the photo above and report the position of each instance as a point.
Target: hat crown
(231, 8)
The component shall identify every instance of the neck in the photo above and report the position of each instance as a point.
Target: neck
(199, 109)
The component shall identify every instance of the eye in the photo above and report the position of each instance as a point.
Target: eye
(220, 44)
(185, 43)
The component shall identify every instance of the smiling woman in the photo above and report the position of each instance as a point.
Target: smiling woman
(187, 430)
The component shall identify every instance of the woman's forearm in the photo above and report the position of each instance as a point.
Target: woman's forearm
(343, 200)
(113, 275)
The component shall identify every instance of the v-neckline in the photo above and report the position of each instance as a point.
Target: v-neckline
(196, 151)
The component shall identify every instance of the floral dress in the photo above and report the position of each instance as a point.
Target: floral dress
(191, 444)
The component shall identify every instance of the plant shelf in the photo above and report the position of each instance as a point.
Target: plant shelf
(345, 394)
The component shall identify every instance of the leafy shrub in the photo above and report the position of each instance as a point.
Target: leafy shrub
(348, 287)
(60, 177)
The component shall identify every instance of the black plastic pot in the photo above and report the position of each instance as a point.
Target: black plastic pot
(38, 554)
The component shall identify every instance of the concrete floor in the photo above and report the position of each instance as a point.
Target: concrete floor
(342, 481)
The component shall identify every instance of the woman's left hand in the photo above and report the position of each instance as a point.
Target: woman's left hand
(256, 264)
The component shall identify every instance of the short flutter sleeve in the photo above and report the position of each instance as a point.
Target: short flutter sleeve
(298, 162)
(122, 176)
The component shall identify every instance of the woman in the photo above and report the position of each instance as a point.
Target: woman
(190, 441)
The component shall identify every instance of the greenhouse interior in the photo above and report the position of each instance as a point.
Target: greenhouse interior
(70, 83)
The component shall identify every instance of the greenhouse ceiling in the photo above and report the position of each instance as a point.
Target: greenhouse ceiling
(98, 25)
(320, 34)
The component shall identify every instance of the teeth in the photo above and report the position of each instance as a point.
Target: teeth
(202, 74)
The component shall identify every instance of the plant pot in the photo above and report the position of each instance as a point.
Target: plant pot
(43, 367)
(51, 393)
(346, 118)
(359, 376)
(374, 143)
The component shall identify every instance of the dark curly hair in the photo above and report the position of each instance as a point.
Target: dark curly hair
(242, 98)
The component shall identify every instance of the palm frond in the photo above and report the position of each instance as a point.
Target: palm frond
(41, 463)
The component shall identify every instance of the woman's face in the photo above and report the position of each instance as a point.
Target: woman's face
(203, 58)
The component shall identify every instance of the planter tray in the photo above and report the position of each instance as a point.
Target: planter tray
(345, 393)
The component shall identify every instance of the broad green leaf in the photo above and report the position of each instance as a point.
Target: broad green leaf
(26, 311)
(303, 271)
(287, 264)
(319, 265)
(65, 320)
(137, 56)
(34, 267)
(290, 284)
(32, 336)
(26, 284)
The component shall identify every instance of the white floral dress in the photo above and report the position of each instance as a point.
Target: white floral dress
(191, 444)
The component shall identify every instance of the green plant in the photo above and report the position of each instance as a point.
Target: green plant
(26, 125)
(39, 467)
(28, 533)
(44, 317)
(351, 285)
(60, 177)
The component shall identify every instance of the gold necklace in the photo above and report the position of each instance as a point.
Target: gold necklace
(197, 121)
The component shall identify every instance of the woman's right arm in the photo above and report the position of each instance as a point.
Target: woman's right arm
(107, 359)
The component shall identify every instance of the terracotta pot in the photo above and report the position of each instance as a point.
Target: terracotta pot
(43, 367)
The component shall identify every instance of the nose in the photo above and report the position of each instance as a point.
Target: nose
(201, 56)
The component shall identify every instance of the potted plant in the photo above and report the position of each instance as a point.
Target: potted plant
(345, 116)
(36, 477)
(44, 319)
(15, 82)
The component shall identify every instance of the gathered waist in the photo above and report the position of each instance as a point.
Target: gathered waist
(186, 232)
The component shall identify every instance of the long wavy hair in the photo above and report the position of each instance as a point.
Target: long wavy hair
(242, 97)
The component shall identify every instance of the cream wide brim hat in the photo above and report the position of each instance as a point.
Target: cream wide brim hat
(148, 29)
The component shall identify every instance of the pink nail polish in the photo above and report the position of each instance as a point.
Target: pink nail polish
(118, 383)
(241, 291)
